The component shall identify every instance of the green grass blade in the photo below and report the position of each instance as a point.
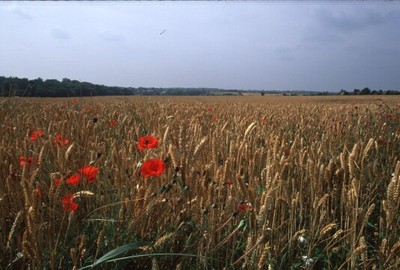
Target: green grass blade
(119, 250)
(163, 254)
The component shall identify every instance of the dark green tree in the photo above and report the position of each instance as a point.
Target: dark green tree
(365, 91)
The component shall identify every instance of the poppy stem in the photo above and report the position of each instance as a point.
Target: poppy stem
(118, 203)
(259, 241)
(241, 225)
(225, 223)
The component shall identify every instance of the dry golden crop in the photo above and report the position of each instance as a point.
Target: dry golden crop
(221, 183)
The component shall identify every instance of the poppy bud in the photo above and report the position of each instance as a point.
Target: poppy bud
(167, 159)
(162, 189)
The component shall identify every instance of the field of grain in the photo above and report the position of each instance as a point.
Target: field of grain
(200, 182)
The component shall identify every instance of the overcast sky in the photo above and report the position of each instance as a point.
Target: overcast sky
(231, 45)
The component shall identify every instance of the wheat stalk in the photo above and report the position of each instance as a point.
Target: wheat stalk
(16, 222)
(198, 148)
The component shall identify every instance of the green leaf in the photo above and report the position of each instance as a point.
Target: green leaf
(119, 250)
(164, 254)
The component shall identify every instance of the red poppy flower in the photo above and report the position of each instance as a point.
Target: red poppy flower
(68, 203)
(264, 121)
(28, 162)
(39, 192)
(152, 167)
(391, 116)
(244, 207)
(382, 140)
(60, 140)
(35, 134)
(57, 182)
(89, 172)
(113, 123)
(147, 142)
(228, 182)
(74, 179)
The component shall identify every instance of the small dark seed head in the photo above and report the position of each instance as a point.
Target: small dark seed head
(162, 189)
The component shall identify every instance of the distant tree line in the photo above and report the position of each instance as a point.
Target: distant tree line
(368, 91)
(13, 86)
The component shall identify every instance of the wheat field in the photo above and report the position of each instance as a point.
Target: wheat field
(241, 183)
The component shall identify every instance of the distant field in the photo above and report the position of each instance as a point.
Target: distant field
(220, 182)
(267, 99)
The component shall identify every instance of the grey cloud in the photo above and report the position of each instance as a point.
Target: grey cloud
(338, 27)
(58, 33)
(322, 37)
(21, 13)
(284, 53)
(109, 36)
(282, 50)
(375, 54)
(393, 17)
(342, 20)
